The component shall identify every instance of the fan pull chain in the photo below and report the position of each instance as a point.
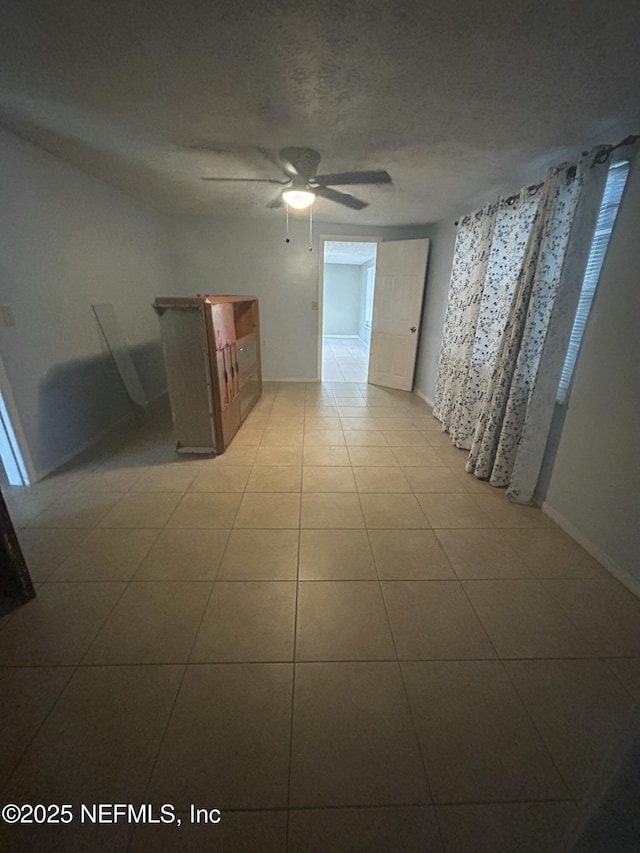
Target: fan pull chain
(311, 228)
(287, 209)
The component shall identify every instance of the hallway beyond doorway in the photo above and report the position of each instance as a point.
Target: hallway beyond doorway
(346, 295)
(344, 359)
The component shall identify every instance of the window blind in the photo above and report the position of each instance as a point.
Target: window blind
(614, 187)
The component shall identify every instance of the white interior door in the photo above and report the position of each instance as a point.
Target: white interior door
(401, 266)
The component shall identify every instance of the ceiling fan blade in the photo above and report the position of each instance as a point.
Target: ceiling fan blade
(276, 202)
(301, 162)
(340, 198)
(209, 148)
(247, 180)
(271, 158)
(353, 178)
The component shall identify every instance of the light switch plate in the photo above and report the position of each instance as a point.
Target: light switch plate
(6, 313)
(314, 306)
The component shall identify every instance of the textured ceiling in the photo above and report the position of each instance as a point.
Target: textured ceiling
(454, 99)
(344, 252)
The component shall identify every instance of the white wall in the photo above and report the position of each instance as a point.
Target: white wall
(68, 240)
(595, 480)
(342, 299)
(435, 306)
(211, 255)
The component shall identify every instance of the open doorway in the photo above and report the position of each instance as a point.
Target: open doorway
(12, 468)
(348, 275)
(15, 465)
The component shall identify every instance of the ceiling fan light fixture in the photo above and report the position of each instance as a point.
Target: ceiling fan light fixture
(299, 199)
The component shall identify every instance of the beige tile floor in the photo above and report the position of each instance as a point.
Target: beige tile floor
(331, 632)
(344, 359)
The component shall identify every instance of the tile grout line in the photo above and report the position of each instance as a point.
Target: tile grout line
(127, 583)
(436, 806)
(294, 662)
(405, 691)
(162, 737)
(74, 668)
(564, 609)
(305, 661)
(185, 667)
(104, 622)
(523, 705)
(607, 663)
(397, 805)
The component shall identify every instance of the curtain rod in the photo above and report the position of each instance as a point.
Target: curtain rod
(601, 157)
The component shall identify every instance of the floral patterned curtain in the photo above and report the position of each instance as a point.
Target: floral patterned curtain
(511, 433)
(516, 278)
(457, 398)
(488, 254)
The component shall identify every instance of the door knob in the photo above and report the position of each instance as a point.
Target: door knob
(413, 328)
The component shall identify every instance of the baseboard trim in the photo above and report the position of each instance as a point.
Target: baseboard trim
(423, 397)
(289, 379)
(631, 583)
(351, 337)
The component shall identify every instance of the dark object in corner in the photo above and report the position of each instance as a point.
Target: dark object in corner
(15, 581)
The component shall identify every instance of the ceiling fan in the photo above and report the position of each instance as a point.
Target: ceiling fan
(302, 185)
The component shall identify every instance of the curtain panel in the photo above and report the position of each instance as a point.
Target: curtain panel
(457, 397)
(557, 307)
(515, 284)
(488, 255)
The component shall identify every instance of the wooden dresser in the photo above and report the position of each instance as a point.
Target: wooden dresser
(211, 350)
